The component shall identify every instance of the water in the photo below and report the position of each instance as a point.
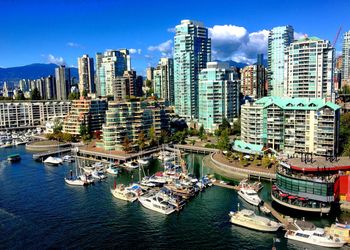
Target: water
(38, 210)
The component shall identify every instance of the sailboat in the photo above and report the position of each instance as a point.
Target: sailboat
(75, 180)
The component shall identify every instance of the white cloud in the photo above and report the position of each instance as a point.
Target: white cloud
(55, 60)
(164, 48)
(74, 45)
(298, 35)
(171, 30)
(135, 51)
(231, 42)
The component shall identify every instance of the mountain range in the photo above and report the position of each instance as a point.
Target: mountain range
(33, 71)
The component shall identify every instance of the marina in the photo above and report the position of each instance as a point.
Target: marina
(211, 199)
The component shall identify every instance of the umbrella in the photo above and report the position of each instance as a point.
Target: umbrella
(292, 197)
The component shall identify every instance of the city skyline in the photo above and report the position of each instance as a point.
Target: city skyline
(78, 28)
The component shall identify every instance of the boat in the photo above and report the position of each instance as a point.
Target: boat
(256, 186)
(247, 218)
(131, 164)
(250, 196)
(156, 203)
(14, 158)
(98, 175)
(112, 170)
(7, 145)
(68, 158)
(339, 230)
(53, 161)
(307, 232)
(20, 142)
(143, 162)
(75, 180)
(123, 193)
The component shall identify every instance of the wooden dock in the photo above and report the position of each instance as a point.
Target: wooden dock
(39, 156)
(224, 185)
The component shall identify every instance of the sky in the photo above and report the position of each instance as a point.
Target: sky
(46, 31)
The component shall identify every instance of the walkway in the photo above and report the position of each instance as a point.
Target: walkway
(195, 149)
(49, 153)
(245, 172)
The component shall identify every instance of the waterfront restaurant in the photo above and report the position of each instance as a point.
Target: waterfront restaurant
(310, 187)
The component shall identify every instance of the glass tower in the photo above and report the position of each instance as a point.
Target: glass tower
(279, 39)
(191, 53)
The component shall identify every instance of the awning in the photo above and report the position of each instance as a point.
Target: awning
(301, 199)
(283, 195)
(291, 197)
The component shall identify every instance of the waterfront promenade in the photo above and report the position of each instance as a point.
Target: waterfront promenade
(232, 169)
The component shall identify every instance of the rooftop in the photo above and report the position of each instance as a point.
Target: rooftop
(296, 103)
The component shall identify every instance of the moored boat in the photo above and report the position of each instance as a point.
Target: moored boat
(250, 196)
(155, 203)
(339, 230)
(14, 158)
(123, 193)
(247, 218)
(53, 161)
(306, 232)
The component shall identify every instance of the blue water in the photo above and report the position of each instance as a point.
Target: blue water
(38, 210)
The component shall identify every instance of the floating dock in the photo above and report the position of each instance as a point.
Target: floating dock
(40, 156)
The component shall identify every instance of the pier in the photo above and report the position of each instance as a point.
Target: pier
(49, 153)
(194, 149)
(219, 184)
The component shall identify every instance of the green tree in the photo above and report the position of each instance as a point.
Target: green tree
(164, 137)
(20, 96)
(193, 142)
(148, 83)
(224, 140)
(141, 141)
(236, 130)
(344, 132)
(35, 94)
(126, 144)
(152, 137)
(57, 128)
(225, 124)
(265, 161)
(83, 130)
(74, 96)
(84, 93)
(67, 137)
(201, 132)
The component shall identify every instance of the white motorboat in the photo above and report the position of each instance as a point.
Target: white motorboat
(88, 169)
(247, 218)
(143, 162)
(131, 164)
(68, 158)
(306, 232)
(20, 142)
(250, 196)
(155, 203)
(123, 193)
(53, 161)
(97, 175)
(112, 170)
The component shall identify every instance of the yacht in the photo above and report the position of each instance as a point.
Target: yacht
(53, 161)
(131, 164)
(143, 162)
(68, 158)
(98, 175)
(155, 203)
(123, 193)
(247, 218)
(306, 232)
(250, 196)
(14, 158)
(112, 170)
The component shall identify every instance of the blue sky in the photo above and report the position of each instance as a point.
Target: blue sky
(60, 31)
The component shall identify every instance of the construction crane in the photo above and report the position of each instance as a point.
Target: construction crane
(336, 37)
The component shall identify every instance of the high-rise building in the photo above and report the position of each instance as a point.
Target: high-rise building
(292, 125)
(129, 84)
(111, 64)
(24, 85)
(63, 82)
(88, 112)
(309, 69)
(97, 73)
(149, 73)
(192, 51)
(279, 38)
(50, 83)
(86, 74)
(218, 96)
(163, 80)
(127, 119)
(346, 59)
(253, 79)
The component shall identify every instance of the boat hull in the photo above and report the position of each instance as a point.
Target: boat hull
(250, 201)
(123, 197)
(150, 206)
(75, 182)
(253, 226)
(322, 244)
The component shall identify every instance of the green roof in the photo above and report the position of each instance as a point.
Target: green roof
(248, 146)
(13, 156)
(311, 38)
(296, 103)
